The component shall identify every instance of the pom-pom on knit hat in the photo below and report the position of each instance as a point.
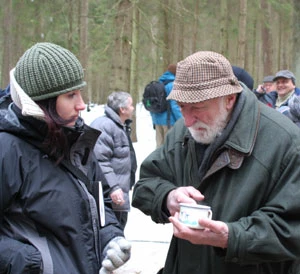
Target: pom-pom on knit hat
(202, 76)
(47, 70)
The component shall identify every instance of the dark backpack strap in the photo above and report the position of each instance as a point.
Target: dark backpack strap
(168, 115)
(168, 106)
(167, 82)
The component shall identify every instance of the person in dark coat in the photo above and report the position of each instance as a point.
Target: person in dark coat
(53, 218)
(266, 92)
(267, 86)
(243, 76)
(5, 98)
(220, 155)
(286, 89)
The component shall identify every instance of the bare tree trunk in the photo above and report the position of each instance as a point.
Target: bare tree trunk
(180, 39)
(134, 91)
(195, 27)
(120, 61)
(296, 36)
(83, 43)
(255, 49)
(242, 33)
(6, 27)
(267, 47)
(70, 22)
(224, 28)
(166, 33)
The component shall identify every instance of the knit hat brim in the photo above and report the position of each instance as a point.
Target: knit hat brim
(57, 93)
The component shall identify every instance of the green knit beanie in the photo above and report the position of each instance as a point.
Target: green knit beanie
(47, 70)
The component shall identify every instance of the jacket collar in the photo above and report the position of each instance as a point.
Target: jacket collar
(244, 133)
(110, 113)
(241, 140)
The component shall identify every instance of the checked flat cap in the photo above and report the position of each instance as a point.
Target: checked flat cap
(202, 76)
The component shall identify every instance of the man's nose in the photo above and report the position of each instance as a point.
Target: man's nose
(189, 119)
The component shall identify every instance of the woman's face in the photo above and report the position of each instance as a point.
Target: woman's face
(69, 105)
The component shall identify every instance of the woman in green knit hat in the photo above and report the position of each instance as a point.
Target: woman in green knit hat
(52, 215)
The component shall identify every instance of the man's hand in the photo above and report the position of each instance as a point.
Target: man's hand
(188, 194)
(214, 234)
(117, 197)
(260, 89)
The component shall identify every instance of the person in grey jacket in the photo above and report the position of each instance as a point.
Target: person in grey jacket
(53, 218)
(115, 153)
(292, 110)
(220, 155)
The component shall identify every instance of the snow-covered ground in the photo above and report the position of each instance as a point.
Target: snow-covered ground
(150, 241)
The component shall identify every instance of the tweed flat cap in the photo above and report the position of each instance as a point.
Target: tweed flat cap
(202, 76)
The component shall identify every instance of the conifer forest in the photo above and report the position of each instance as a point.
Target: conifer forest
(123, 44)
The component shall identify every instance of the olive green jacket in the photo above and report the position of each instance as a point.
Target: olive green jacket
(252, 183)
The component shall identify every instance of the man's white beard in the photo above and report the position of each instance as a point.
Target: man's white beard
(209, 134)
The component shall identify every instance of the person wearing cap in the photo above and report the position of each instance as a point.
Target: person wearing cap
(285, 86)
(53, 218)
(161, 122)
(220, 155)
(267, 86)
(266, 92)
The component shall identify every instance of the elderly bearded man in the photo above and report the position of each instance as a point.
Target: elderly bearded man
(220, 154)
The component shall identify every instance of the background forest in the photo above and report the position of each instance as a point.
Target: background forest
(123, 44)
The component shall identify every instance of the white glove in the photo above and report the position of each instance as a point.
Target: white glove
(118, 252)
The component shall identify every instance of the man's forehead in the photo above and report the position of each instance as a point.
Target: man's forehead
(280, 79)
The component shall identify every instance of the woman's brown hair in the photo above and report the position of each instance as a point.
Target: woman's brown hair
(56, 141)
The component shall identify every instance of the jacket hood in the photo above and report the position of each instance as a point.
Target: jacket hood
(243, 76)
(35, 130)
(12, 121)
(167, 76)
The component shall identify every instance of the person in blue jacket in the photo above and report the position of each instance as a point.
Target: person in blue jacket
(160, 120)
